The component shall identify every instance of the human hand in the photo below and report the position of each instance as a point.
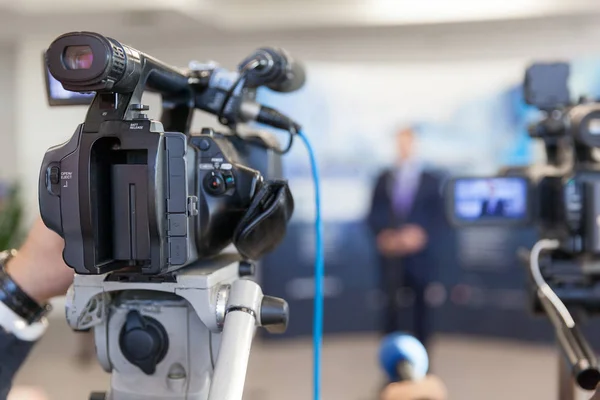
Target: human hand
(430, 388)
(407, 240)
(386, 241)
(38, 268)
(414, 238)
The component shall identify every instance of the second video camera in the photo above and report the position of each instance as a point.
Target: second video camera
(130, 193)
(562, 197)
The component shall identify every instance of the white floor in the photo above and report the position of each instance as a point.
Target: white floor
(473, 369)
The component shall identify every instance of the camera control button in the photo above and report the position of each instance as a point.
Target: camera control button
(177, 250)
(204, 144)
(192, 206)
(214, 183)
(229, 180)
(177, 224)
(54, 175)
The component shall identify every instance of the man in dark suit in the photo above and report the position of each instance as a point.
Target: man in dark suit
(492, 206)
(406, 211)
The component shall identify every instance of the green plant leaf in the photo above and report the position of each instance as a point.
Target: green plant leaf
(11, 218)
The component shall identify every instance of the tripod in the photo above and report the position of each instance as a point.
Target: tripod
(182, 336)
(579, 365)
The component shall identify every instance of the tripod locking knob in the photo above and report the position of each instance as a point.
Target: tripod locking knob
(140, 108)
(274, 314)
(143, 341)
(246, 268)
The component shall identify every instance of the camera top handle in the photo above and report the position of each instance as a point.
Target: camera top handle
(119, 74)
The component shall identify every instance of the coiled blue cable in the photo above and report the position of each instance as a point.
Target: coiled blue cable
(319, 274)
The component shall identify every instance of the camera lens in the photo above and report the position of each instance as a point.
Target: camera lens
(594, 126)
(78, 57)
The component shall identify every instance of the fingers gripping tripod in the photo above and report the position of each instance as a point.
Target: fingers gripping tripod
(186, 336)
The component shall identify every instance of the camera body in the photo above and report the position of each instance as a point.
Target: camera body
(134, 195)
(569, 211)
(148, 197)
(562, 197)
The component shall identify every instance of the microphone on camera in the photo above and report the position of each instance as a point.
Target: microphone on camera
(403, 357)
(273, 68)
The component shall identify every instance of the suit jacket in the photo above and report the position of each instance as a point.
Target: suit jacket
(427, 211)
(14, 352)
(498, 210)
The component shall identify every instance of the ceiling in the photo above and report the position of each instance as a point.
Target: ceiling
(173, 18)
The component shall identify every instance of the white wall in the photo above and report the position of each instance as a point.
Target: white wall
(8, 134)
(37, 125)
(483, 49)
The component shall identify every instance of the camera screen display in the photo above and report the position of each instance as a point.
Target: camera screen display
(487, 199)
(594, 126)
(57, 95)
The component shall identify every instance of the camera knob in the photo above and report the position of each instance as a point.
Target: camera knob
(274, 314)
(143, 341)
(214, 183)
(246, 268)
(204, 144)
(139, 108)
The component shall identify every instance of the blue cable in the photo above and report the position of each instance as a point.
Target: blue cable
(319, 275)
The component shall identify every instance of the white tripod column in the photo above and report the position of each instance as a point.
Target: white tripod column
(241, 319)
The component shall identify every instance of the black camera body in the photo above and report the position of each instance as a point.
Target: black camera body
(197, 188)
(569, 208)
(567, 194)
(561, 198)
(129, 193)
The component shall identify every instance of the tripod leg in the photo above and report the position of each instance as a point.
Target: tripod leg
(566, 384)
(241, 319)
(230, 369)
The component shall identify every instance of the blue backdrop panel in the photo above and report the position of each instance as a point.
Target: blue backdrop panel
(484, 284)
(350, 284)
(480, 287)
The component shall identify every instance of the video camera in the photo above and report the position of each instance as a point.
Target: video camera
(146, 209)
(126, 192)
(555, 196)
(562, 199)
